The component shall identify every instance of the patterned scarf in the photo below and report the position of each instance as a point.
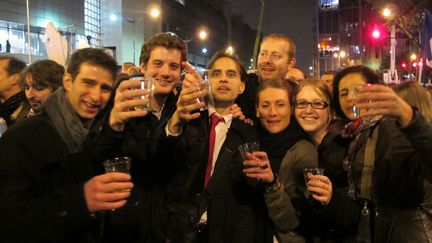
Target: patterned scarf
(354, 130)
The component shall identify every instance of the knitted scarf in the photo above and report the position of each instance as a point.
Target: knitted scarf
(66, 121)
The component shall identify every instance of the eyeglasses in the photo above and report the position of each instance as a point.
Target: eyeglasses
(318, 104)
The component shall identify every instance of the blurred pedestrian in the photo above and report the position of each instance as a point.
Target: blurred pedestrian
(39, 81)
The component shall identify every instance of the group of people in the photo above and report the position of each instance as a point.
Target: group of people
(188, 181)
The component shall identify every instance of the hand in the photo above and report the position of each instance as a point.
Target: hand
(186, 104)
(125, 102)
(320, 187)
(236, 111)
(107, 191)
(258, 167)
(248, 121)
(191, 76)
(382, 100)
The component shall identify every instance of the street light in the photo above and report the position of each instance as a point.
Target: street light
(392, 73)
(154, 13)
(202, 34)
(230, 50)
(386, 12)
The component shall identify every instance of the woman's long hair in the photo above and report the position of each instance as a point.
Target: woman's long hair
(415, 95)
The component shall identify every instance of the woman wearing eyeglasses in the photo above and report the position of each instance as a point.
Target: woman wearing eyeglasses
(285, 152)
(313, 110)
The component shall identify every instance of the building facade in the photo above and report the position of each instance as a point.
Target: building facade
(76, 20)
(343, 35)
(122, 26)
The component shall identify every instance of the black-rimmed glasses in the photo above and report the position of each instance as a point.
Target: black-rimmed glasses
(318, 104)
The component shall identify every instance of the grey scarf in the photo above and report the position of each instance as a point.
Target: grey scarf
(66, 121)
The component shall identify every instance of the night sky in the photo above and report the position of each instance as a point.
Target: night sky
(291, 17)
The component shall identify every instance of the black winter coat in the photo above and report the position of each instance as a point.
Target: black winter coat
(228, 197)
(41, 187)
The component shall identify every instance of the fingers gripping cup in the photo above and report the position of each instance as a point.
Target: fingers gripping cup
(248, 148)
(120, 164)
(204, 98)
(313, 171)
(146, 84)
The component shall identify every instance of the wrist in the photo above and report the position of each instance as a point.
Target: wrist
(406, 118)
(272, 186)
(175, 124)
(114, 124)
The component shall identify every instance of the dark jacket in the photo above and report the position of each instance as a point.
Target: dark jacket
(150, 169)
(228, 197)
(41, 187)
(402, 161)
(11, 106)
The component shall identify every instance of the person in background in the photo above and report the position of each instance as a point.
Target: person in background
(276, 56)
(327, 77)
(125, 66)
(387, 160)
(39, 81)
(11, 95)
(295, 74)
(417, 96)
(284, 152)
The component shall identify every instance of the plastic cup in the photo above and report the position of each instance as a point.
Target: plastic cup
(120, 164)
(248, 148)
(148, 85)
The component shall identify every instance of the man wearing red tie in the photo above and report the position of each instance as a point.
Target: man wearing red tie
(210, 187)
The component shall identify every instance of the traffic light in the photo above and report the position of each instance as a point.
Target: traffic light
(377, 33)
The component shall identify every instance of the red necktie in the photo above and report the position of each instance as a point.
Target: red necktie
(214, 120)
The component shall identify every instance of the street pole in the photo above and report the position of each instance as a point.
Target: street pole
(28, 32)
(133, 41)
(393, 77)
(133, 22)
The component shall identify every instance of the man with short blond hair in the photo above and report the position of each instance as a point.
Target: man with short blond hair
(276, 57)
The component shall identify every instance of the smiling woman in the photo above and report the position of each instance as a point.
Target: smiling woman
(313, 108)
(285, 148)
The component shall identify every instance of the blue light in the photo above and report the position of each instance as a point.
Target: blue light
(113, 17)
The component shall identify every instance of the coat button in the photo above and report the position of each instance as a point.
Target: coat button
(62, 216)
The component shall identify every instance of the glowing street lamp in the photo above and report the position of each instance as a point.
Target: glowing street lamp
(154, 13)
(230, 50)
(386, 12)
(202, 34)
